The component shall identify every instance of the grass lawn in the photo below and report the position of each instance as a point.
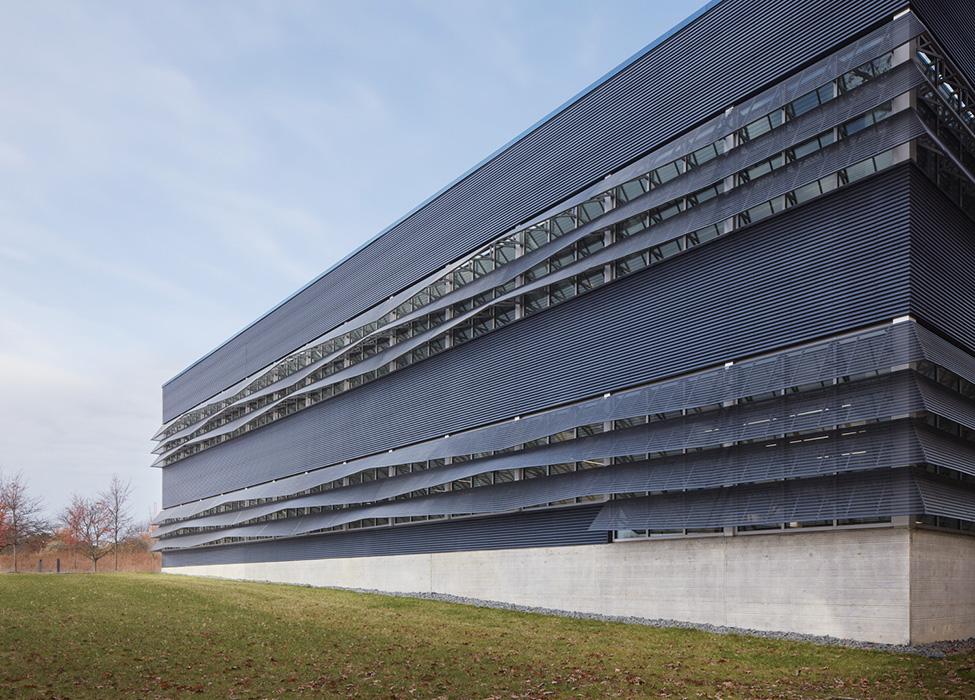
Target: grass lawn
(154, 636)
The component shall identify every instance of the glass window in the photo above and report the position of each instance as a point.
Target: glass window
(536, 237)
(702, 236)
(665, 250)
(856, 125)
(808, 147)
(462, 333)
(483, 264)
(632, 264)
(561, 291)
(537, 272)
(632, 226)
(629, 534)
(590, 279)
(883, 64)
(664, 174)
(590, 244)
(463, 275)
(704, 195)
(564, 257)
(563, 223)
(860, 170)
(755, 171)
(754, 130)
(483, 323)
(536, 300)
(664, 212)
(632, 189)
(504, 313)
(505, 251)
(591, 209)
(759, 212)
(884, 160)
(704, 155)
(803, 104)
(504, 476)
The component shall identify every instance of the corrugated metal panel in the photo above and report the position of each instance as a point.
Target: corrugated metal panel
(898, 81)
(890, 396)
(890, 445)
(893, 132)
(881, 493)
(949, 499)
(834, 264)
(945, 451)
(947, 404)
(942, 262)
(623, 442)
(734, 48)
(936, 349)
(878, 348)
(869, 47)
(549, 528)
(714, 428)
(952, 22)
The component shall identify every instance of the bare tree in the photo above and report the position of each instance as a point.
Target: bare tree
(21, 513)
(115, 501)
(87, 526)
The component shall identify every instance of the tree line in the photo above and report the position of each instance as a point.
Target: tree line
(94, 526)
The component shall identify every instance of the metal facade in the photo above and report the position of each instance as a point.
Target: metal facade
(550, 528)
(734, 49)
(600, 342)
(778, 332)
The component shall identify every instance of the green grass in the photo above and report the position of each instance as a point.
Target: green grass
(143, 635)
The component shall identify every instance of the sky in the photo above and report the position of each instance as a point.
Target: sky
(171, 171)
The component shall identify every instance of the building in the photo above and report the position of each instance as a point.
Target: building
(700, 345)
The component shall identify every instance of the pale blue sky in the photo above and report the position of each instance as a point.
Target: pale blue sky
(171, 170)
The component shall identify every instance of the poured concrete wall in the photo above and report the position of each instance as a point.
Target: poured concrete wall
(942, 586)
(846, 583)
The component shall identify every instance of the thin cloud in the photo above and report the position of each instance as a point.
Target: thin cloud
(169, 171)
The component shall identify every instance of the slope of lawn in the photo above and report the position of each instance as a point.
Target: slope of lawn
(154, 636)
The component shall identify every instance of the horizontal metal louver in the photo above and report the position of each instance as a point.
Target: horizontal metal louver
(901, 79)
(895, 395)
(882, 493)
(548, 528)
(942, 251)
(939, 351)
(869, 47)
(948, 500)
(883, 445)
(877, 349)
(850, 495)
(953, 25)
(857, 354)
(945, 451)
(563, 355)
(713, 62)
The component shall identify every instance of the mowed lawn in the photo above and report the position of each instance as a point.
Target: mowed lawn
(156, 636)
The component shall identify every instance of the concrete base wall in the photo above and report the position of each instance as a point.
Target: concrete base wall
(942, 586)
(854, 584)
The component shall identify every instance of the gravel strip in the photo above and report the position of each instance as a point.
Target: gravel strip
(936, 650)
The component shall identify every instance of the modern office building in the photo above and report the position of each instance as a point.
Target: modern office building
(700, 345)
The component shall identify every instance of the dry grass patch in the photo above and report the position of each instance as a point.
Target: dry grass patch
(157, 636)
